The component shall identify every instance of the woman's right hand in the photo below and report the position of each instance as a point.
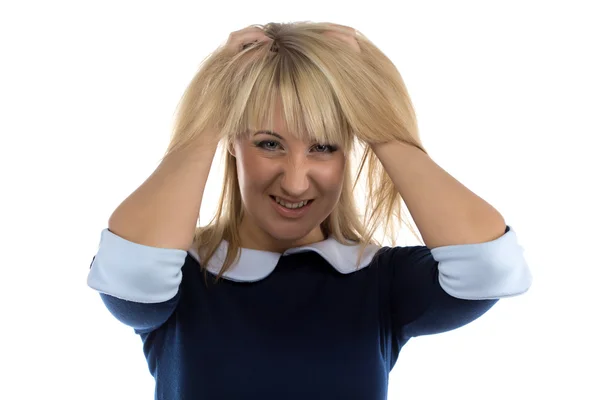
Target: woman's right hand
(239, 40)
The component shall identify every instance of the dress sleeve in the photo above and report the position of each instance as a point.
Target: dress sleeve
(440, 289)
(138, 284)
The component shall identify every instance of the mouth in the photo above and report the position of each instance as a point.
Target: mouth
(291, 205)
(291, 209)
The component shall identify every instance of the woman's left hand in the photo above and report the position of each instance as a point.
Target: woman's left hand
(345, 34)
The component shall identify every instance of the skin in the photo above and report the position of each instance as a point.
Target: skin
(279, 164)
(461, 217)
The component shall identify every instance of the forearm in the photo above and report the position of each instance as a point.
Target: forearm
(163, 211)
(444, 210)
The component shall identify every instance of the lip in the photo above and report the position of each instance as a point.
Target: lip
(285, 199)
(290, 213)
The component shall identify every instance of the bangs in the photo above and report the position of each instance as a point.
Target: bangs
(289, 83)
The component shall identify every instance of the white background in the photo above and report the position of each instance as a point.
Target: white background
(507, 97)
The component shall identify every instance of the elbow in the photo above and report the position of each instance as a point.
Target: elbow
(491, 270)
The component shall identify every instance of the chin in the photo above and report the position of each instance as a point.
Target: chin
(292, 232)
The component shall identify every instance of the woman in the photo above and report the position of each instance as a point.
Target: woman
(304, 303)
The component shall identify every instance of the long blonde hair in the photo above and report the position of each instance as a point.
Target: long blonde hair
(329, 93)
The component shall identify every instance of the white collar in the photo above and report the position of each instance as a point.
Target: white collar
(254, 265)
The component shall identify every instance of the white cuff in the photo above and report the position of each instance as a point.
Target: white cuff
(490, 270)
(135, 272)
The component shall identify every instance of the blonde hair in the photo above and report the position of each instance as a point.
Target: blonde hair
(329, 93)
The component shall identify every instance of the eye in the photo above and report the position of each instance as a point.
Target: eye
(324, 148)
(267, 145)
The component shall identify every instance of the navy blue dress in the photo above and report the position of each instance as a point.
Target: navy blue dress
(310, 323)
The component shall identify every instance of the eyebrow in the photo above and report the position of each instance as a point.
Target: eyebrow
(277, 135)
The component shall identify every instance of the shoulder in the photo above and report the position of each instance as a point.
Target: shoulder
(400, 259)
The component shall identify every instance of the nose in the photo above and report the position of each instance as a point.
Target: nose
(295, 179)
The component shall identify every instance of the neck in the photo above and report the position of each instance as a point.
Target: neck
(253, 237)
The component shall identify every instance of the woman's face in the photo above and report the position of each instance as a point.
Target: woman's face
(288, 187)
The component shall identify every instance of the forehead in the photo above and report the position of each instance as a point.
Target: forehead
(275, 123)
(289, 95)
(294, 117)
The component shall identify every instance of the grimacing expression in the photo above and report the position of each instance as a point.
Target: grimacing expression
(288, 186)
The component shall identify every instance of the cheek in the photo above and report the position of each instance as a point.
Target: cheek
(254, 172)
(331, 179)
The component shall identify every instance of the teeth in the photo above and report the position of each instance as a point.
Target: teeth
(290, 205)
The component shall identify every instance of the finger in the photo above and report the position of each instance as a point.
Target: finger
(249, 31)
(346, 29)
(246, 36)
(350, 40)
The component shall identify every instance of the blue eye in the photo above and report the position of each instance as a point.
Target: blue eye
(324, 148)
(267, 145)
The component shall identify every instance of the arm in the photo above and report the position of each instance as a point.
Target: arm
(419, 304)
(445, 211)
(437, 290)
(164, 210)
(471, 260)
(137, 268)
